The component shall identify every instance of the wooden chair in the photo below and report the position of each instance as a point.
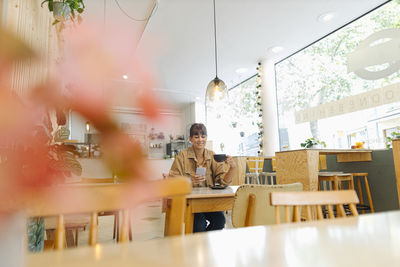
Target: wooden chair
(313, 198)
(251, 205)
(270, 175)
(74, 223)
(255, 166)
(114, 213)
(93, 199)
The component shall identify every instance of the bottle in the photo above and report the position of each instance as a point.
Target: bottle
(173, 154)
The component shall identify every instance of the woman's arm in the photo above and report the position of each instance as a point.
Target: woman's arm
(177, 168)
(232, 166)
(221, 176)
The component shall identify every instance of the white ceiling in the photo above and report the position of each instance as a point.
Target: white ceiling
(178, 40)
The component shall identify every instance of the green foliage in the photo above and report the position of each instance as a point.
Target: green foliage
(394, 135)
(76, 7)
(310, 142)
(35, 234)
(61, 134)
(63, 157)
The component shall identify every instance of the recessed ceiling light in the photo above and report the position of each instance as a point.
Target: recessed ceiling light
(276, 49)
(125, 77)
(241, 70)
(326, 17)
(197, 98)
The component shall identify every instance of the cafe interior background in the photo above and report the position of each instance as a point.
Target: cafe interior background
(323, 83)
(328, 72)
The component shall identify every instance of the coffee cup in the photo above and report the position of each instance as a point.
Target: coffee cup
(219, 157)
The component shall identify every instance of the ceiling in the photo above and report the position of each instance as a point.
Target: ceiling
(178, 40)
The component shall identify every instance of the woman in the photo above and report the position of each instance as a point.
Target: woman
(190, 162)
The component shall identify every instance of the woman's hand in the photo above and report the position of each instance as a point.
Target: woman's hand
(229, 160)
(197, 179)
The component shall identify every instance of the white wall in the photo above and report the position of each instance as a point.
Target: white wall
(170, 122)
(193, 113)
(96, 168)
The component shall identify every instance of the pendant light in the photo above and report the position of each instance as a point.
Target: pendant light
(216, 89)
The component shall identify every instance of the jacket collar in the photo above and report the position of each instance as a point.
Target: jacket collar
(207, 154)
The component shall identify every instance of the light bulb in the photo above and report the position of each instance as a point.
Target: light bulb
(216, 90)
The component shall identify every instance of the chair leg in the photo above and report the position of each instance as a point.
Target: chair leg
(351, 183)
(369, 194)
(76, 237)
(130, 228)
(69, 237)
(115, 225)
(360, 193)
(336, 184)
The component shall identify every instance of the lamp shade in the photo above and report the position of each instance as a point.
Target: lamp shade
(216, 90)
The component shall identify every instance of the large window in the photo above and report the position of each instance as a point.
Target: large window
(322, 95)
(232, 124)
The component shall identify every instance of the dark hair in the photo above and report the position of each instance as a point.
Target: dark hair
(198, 129)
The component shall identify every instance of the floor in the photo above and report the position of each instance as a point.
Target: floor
(147, 223)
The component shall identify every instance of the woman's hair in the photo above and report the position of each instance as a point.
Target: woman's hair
(198, 129)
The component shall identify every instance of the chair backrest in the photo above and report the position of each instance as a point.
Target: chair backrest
(86, 180)
(72, 199)
(273, 164)
(255, 164)
(310, 199)
(322, 162)
(252, 204)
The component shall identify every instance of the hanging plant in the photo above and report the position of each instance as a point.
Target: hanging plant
(65, 9)
(258, 106)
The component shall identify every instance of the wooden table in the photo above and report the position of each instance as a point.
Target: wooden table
(204, 199)
(302, 165)
(367, 240)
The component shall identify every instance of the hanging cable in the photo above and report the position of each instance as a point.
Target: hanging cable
(132, 18)
(215, 43)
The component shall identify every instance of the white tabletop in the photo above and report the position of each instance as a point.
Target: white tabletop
(367, 240)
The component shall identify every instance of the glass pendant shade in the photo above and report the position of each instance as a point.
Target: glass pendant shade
(216, 90)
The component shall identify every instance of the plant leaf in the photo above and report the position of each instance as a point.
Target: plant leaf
(61, 134)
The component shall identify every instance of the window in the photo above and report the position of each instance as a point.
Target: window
(315, 87)
(232, 126)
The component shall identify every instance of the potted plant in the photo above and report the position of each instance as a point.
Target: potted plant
(313, 143)
(65, 9)
(63, 163)
(394, 135)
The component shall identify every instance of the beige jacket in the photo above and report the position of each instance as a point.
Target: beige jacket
(185, 164)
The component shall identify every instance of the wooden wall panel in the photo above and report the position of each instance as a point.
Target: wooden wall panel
(240, 171)
(33, 24)
(298, 166)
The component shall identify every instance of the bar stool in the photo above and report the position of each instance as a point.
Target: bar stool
(336, 178)
(254, 166)
(362, 207)
(271, 175)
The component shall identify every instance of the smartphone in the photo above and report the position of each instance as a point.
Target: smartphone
(201, 171)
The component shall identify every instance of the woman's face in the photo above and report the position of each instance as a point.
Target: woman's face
(198, 141)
